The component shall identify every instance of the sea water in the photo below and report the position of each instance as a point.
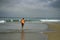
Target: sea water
(12, 24)
(10, 28)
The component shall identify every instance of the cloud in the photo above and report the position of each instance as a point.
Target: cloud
(55, 4)
(20, 6)
(24, 3)
(40, 8)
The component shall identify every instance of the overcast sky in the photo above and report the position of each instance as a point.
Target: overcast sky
(32, 8)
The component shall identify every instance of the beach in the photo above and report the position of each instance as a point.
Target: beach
(53, 35)
(31, 31)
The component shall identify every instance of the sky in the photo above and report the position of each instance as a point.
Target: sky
(30, 8)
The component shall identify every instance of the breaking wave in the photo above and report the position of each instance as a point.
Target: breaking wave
(32, 21)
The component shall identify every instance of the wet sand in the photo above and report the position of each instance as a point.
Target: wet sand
(10, 31)
(53, 35)
(22, 36)
(30, 34)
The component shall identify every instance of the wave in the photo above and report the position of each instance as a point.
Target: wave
(46, 20)
(2, 21)
(31, 21)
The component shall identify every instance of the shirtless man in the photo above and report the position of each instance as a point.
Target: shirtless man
(22, 22)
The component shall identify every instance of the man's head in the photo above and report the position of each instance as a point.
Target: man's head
(22, 18)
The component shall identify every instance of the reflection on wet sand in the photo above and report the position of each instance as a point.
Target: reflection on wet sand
(22, 35)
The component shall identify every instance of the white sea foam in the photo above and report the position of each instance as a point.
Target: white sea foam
(43, 20)
(2, 21)
(31, 21)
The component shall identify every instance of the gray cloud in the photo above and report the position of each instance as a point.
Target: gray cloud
(55, 4)
(41, 8)
(26, 3)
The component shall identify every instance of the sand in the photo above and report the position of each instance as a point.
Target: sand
(22, 36)
(31, 31)
(53, 35)
(32, 35)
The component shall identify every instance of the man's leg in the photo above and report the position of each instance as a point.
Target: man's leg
(22, 25)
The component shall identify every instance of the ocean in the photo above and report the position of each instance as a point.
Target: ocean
(10, 28)
(9, 24)
(28, 19)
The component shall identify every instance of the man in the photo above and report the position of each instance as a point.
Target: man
(22, 22)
